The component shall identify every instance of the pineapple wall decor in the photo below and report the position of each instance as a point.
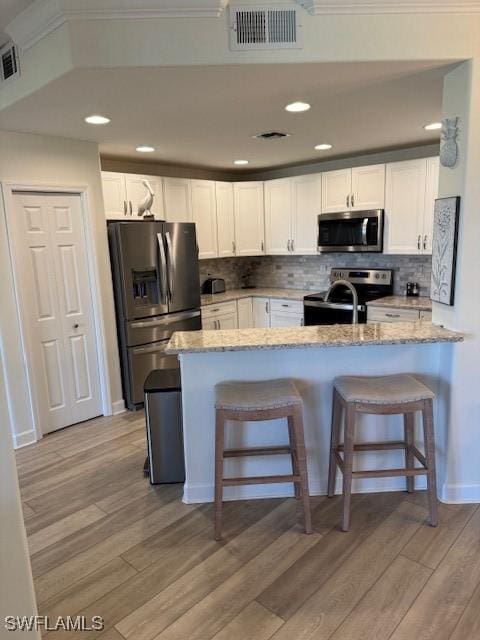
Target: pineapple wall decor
(448, 144)
(444, 254)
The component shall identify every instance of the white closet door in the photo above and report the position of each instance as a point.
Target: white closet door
(306, 206)
(225, 219)
(336, 190)
(56, 308)
(431, 194)
(368, 187)
(136, 192)
(278, 216)
(178, 201)
(204, 212)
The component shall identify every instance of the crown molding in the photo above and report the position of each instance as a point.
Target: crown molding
(45, 16)
(356, 7)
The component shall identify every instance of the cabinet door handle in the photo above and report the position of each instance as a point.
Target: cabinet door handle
(425, 242)
(288, 245)
(266, 307)
(233, 246)
(292, 245)
(217, 324)
(419, 240)
(393, 315)
(348, 201)
(131, 207)
(352, 200)
(261, 246)
(124, 207)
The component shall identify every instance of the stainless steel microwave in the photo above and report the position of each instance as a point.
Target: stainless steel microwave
(351, 231)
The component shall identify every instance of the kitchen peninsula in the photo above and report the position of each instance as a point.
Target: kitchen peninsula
(313, 357)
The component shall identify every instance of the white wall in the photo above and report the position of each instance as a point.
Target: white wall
(30, 159)
(16, 586)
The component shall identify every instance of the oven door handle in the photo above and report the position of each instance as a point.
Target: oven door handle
(332, 305)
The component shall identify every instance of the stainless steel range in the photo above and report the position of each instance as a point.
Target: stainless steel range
(336, 306)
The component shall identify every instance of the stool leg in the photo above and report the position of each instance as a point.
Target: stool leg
(334, 440)
(301, 456)
(294, 454)
(408, 426)
(219, 446)
(429, 436)
(348, 464)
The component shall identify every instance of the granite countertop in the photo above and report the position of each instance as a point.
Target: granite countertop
(403, 302)
(257, 292)
(345, 335)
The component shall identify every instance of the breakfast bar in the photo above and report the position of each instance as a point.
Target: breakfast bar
(312, 357)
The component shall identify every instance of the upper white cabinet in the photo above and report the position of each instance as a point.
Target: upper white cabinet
(204, 214)
(291, 209)
(354, 189)
(306, 205)
(405, 207)
(249, 218)
(225, 219)
(278, 216)
(123, 193)
(177, 199)
(431, 194)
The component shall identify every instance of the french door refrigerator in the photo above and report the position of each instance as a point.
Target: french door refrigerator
(157, 291)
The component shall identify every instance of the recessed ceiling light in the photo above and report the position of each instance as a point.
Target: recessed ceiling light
(97, 119)
(239, 162)
(144, 148)
(323, 147)
(297, 107)
(433, 126)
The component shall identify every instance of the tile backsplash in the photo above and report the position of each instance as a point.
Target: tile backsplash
(312, 272)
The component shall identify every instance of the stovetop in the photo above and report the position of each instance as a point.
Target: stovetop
(370, 284)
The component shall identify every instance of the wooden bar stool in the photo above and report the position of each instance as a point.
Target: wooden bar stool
(257, 401)
(397, 394)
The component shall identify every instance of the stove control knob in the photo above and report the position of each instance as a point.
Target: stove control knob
(377, 276)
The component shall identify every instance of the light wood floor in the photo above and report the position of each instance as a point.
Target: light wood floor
(104, 542)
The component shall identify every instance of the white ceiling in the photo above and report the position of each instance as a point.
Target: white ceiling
(9, 9)
(206, 116)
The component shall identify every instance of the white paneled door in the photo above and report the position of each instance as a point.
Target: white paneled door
(54, 292)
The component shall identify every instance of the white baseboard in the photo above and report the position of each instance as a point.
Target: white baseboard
(460, 493)
(200, 493)
(118, 407)
(24, 438)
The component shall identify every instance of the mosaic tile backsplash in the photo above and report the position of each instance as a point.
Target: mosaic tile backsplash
(312, 272)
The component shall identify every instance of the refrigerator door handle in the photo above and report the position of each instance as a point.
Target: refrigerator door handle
(163, 266)
(171, 265)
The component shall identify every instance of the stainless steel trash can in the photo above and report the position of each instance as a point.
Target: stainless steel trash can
(163, 412)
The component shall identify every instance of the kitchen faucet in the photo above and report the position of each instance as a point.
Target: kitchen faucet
(349, 286)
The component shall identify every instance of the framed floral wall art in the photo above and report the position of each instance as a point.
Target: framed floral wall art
(444, 252)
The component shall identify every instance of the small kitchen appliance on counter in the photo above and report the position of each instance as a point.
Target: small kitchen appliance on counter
(213, 285)
(370, 284)
(413, 289)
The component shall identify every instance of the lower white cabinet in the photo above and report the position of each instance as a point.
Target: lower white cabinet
(220, 316)
(261, 313)
(245, 313)
(286, 313)
(395, 314)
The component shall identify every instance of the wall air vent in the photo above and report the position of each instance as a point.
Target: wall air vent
(9, 62)
(265, 28)
(271, 135)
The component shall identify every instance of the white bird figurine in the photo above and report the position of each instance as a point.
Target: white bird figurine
(144, 208)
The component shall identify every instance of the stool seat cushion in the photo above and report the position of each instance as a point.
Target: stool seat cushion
(256, 396)
(396, 389)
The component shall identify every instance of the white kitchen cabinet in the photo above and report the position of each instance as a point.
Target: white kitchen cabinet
(286, 313)
(278, 216)
(245, 313)
(204, 214)
(225, 219)
(136, 192)
(249, 218)
(261, 313)
(306, 206)
(209, 324)
(114, 195)
(177, 199)
(368, 188)
(431, 194)
(336, 188)
(356, 189)
(228, 321)
(391, 314)
(405, 207)
(220, 316)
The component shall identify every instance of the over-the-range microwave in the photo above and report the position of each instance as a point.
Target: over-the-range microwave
(351, 231)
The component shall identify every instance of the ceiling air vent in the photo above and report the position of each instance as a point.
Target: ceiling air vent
(264, 28)
(9, 62)
(271, 135)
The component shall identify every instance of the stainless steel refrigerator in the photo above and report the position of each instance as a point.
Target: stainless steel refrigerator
(157, 291)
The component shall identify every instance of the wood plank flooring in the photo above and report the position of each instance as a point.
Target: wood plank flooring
(103, 542)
